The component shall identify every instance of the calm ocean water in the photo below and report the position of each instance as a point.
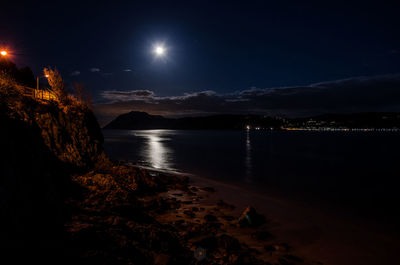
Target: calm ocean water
(358, 170)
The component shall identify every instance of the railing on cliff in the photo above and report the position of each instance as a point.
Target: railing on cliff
(43, 94)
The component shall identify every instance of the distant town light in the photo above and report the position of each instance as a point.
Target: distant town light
(3, 53)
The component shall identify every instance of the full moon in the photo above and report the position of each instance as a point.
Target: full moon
(159, 51)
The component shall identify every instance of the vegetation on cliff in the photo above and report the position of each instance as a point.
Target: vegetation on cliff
(68, 126)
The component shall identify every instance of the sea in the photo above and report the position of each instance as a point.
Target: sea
(357, 172)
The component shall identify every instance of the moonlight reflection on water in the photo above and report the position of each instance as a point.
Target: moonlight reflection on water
(155, 150)
(355, 169)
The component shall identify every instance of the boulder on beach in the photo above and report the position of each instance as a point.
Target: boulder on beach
(210, 218)
(251, 218)
(261, 235)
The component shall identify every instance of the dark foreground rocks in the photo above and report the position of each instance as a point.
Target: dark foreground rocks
(124, 215)
(41, 145)
(251, 218)
(111, 223)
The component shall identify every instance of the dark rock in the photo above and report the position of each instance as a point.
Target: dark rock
(189, 213)
(269, 248)
(283, 246)
(278, 247)
(208, 189)
(225, 205)
(228, 217)
(163, 240)
(210, 218)
(194, 189)
(261, 235)
(190, 193)
(228, 243)
(284, 262)
(136, 214)
(179, 222)
(161, 259)
(292, 257)
(208, 243)
(244, 258)
(251, 218)
(196, 230)
(161, 205)
(172, 203)
(33, 184)
(215, 225)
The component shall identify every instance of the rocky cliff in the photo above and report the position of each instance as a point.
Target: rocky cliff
(41, 143)
(71, 133)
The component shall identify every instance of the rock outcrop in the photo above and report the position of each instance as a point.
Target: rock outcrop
(251, 218)
(72, 133)
(41, 143)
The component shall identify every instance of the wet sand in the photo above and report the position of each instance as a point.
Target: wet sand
(316, 233)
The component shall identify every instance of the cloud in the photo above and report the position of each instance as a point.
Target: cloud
(127, 70)
(120, 96)
(75, 73)
(358, 94)
(94, 70)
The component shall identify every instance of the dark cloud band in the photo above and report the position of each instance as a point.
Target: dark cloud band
(380, 93)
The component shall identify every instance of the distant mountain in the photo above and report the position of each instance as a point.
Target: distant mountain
(141, 120)
(136, 120)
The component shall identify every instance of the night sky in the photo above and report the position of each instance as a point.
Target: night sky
(267, 57)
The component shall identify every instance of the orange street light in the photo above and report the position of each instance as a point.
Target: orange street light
(37, 80)
(3, 53)
(37, 85)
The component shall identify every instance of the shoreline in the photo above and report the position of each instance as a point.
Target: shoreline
(317, 234)
(129, 214)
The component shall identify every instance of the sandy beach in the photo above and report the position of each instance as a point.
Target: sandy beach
(313, 232)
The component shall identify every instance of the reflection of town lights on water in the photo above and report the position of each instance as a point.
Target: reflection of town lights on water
(248, 162)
